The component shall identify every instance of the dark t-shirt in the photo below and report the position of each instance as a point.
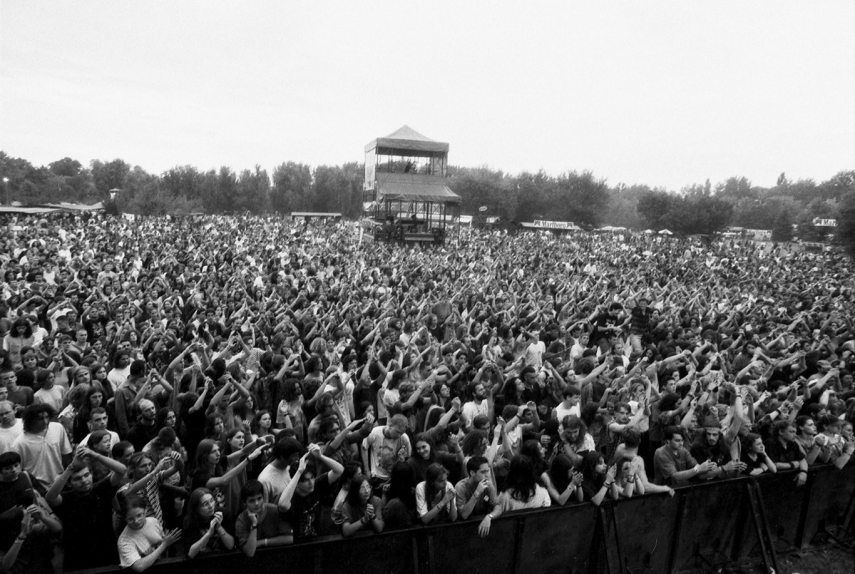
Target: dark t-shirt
(87, 528)
(783, 453)
(18, 493)
(305, 512)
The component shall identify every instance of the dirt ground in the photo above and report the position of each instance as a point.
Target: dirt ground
(828, 558)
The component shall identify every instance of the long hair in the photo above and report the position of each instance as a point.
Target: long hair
(590, 460)
(202, 451)
(427, 439)
(354, 498)
(572, 422)
(472, 441)
(521, 479)
(434, 472)
(194, 521)
(402, 485)
(531, 449)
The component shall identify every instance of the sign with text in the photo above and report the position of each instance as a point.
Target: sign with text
(819, 222)
(544, 224)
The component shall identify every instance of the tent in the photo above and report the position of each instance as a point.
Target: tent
(406, 139)
(665, 232)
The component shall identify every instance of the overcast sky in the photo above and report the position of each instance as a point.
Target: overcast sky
(665, 93)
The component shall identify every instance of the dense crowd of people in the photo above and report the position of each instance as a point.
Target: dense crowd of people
(181, 386)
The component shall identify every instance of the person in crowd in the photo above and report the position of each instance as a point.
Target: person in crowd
(259, 525)
(86, 513)
(399, 497)
(362, 510)
(522, 492)
(435, 496)
(673, 464)
(300, 500)
(44, 446)
(385, 446)
(143, 540)
(476, 495)
(11, 427)
(203, 531)
(754, 456)
(784, 451)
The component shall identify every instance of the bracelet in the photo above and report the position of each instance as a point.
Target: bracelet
(802, 472)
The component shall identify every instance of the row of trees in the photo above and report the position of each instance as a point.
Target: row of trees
(572, 196)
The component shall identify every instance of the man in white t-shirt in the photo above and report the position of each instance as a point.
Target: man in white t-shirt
(568, 406)
(98, 421)
(535, 350)
(44, 446)
(10, 427)
(479, 405)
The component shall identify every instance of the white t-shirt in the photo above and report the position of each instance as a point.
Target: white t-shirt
(561, 411)
(539, 500)
(472, 409)
(422, 503)
(41, 455)
(534, 354)
(8, 436)
(136, 544)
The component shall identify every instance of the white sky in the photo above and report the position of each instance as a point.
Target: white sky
(666, 93)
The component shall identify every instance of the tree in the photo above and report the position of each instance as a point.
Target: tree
(110, 175)
(846, 223)
(183, 181)
(292, 184)
(66, 167)
(654, 208)
(253, 189)
(782, 229)
(580, 198)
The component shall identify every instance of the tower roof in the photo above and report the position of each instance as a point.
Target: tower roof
(406, 141)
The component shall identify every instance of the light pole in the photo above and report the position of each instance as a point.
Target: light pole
(6, 190)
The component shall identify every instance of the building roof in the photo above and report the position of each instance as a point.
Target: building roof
(406, 141)
(414, 187)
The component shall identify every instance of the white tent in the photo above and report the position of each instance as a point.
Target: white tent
(665, 232)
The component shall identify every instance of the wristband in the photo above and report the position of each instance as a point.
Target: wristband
(802, 472)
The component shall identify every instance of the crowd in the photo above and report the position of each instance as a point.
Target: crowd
(182, 386)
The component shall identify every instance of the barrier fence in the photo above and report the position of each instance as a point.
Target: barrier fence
(702, 527)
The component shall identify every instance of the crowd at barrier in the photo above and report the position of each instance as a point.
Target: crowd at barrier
(186, 386)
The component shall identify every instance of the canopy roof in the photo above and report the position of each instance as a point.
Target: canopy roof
(414, 187)
(406, 141)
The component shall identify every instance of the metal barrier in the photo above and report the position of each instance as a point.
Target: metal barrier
(700, 528)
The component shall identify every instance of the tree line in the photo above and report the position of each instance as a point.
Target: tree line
(572, 196)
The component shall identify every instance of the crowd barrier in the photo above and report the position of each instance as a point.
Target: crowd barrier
(701, 528)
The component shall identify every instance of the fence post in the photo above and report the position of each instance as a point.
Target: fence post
(761, 526)
(681, 509)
